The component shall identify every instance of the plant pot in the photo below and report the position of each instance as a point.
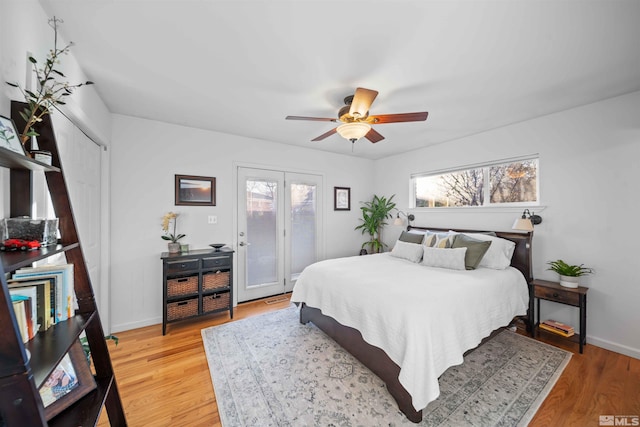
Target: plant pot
(174, 247)
(569, 281)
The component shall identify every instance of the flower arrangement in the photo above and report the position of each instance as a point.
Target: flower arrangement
(167, 219)
(51, 92)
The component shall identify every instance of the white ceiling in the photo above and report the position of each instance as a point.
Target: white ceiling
(241, 67)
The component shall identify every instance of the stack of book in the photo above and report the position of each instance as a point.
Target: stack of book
(557, 328)
(42, 296)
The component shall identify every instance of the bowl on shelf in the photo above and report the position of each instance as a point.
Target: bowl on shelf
(217, 246)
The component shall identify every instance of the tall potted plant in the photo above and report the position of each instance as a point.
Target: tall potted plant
(374, 216)
(51, 91)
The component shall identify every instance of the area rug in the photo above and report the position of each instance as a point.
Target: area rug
(270, 370)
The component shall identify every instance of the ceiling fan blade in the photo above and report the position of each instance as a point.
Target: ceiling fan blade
(362, 100)
(398, 118)
(315, 119)
(374, 136)
(325, 135)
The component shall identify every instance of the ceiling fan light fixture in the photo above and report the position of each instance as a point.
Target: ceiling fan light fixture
(353, 131)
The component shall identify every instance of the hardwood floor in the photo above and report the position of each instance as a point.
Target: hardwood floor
(164, 380)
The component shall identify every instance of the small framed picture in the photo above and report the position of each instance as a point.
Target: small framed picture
(195, 190)
(341, 198)
(9, 136)
(69, 381)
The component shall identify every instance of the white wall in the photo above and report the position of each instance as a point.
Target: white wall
(588, 183)
(146, 155)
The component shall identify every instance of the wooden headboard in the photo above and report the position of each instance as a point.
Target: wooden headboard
(521, 255)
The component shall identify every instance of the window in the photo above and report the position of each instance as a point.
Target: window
(496, 184)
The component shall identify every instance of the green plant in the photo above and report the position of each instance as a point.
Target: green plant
(87, 349)
(564, 269)
(374, 216)
(166, 221)
(51, 91)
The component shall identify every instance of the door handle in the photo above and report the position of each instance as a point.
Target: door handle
(244, 244)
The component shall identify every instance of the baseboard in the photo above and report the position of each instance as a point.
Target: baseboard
(612, 346)
(135, 325)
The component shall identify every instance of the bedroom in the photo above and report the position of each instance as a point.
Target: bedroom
(587, 150)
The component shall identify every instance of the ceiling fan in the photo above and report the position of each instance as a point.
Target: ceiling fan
(356, 121)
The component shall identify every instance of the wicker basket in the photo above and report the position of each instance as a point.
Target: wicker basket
(182, 286)
(215, 302)
(182, 309)
(215, 280)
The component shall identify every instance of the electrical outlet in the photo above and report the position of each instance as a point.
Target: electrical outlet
(212, 219)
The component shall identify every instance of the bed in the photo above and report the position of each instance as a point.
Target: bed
(408, 322)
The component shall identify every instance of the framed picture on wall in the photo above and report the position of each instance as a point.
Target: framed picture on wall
(68, 382)
(195, 190)
(9, 136)
(341, 198)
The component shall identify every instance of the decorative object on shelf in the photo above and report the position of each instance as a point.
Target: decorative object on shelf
(374, 216)
(184, 247)
(44, 231)
(167, 220)
(216, 246)
(341, 198)
(526, 221)
(41, 156)
(51, 91)
(68, 382)
(569, 274)
(399, 221)
(194, 190)
(9, 137)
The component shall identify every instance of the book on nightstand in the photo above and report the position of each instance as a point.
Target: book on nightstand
(555, 330)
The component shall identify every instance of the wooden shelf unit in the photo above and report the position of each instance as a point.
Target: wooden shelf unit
(20, 375)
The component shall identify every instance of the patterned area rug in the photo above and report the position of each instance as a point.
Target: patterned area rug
(270, 370)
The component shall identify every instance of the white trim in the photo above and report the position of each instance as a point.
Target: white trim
(483, 209)
(613, 346)
(475, 165)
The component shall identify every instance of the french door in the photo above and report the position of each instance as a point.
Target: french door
(279, 229)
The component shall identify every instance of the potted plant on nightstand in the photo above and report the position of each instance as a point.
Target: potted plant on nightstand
(569, 274)
(374, 215)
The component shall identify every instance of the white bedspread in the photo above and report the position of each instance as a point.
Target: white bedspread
(424, 318)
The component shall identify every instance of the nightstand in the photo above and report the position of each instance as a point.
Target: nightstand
(576, 297)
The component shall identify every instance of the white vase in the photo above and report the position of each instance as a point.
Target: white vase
(569, 281)
(174, 247)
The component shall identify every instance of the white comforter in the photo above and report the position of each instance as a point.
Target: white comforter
(424, 318)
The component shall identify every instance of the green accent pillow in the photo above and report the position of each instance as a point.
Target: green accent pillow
(475, 249)
(411, 237)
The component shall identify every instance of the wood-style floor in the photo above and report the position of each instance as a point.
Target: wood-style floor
(164, 380)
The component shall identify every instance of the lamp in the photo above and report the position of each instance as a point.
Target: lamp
(353, 131)
(527, 221)
(399, 221)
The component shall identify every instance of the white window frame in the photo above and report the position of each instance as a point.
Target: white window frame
(487, 199)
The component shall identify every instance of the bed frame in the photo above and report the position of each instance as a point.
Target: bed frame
(375, 358)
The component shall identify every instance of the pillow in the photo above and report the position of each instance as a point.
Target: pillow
(409, 237)
(475, 249)
(499, 254)
(408, 251)
(444, 258)
(437, 240)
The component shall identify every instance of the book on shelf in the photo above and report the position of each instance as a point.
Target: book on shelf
(30, 296)
(558, 325)
(556, 331)
(65, 299)
(45, 299)
(20, 310)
